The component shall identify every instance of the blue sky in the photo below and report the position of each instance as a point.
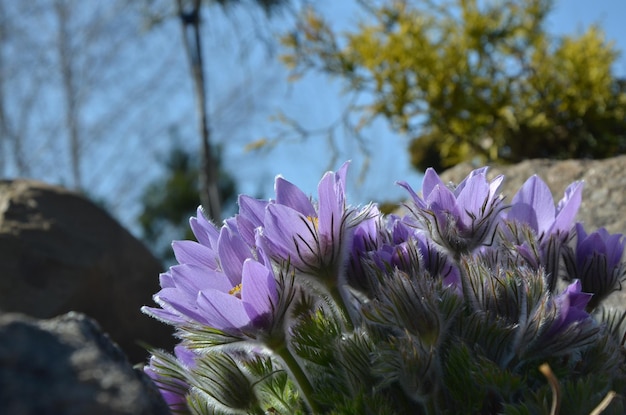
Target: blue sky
(316, 101)
(243, 96)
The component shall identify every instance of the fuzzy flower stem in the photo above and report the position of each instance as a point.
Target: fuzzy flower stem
(465, 282)
(298, 376)
(336, 295)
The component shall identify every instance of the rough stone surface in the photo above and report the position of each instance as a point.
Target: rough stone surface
(604, 194)
(68, 366)
(59, 252)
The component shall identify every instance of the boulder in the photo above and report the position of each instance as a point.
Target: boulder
(68, 366)
(59, 252)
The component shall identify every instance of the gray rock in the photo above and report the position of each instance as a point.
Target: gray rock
(68, 366)
(59, 252)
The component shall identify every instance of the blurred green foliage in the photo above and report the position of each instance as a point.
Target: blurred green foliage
(473, 80)
(169, 201)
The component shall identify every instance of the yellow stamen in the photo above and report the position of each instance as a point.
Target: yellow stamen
(314, 220)
(235, 290)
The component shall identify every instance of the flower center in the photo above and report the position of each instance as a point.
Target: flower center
(314, 220)
(236, 291)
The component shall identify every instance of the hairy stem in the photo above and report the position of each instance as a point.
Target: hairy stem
(298, 376)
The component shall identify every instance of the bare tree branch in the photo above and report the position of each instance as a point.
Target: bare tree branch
(190, 23)
(64, 48)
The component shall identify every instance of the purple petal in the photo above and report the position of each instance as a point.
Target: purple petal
(536, 194)
(577, 298)
(430, 181)
(400, 232)
(180, 303)
(173, 399)
(331, 206)
(523, 213)
(253, 209)
(258, 289)
(472, 197)
(284, 228)
(442, 199)
(574, 302)
(494, 185)
(615, 249)
(166, 281)
(190, 279)
(191, 252)
(568, 207)
(592, 243)
(222, 311)
(250, 217)
(342, 172)
(580, 232)
(481, 172)
(169, 317)
(185, 356)
(233, 251)
(290, 195)
(205, 232)
(416, 198)
(602, 242)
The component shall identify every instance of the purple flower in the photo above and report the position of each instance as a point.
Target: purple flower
(313, 238)
(365, 239)
(226, 286)
(383, 244)
(169, 373)
(597, 262)
(559, 324)
(570, 306)
(533, 205)
(460, 219)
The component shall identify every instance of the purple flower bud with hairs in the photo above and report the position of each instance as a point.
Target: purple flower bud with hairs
(570, 306)
(459, 219)
(597, 262)
(169, 375)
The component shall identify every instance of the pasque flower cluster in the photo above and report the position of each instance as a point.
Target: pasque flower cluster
(465, 305)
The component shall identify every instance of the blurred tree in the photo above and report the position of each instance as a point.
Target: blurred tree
(472, 80)
(169, 201)
(189, 13)
(72, 100)
(87, 93)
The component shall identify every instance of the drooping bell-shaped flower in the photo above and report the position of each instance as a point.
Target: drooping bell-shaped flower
(597, 262)
(459, 219)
